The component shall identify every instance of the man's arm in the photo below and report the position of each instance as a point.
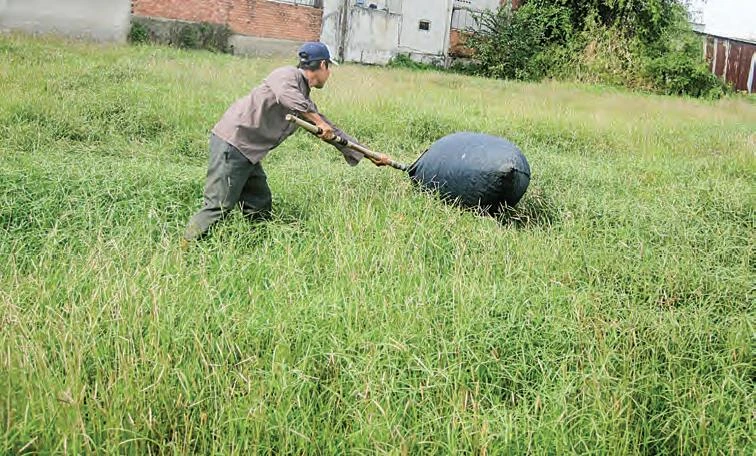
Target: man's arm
(352, 156)
(285, 86)
(326, 128)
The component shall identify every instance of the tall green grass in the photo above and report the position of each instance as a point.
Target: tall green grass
(610, 313)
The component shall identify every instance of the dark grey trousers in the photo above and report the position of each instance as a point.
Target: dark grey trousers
(232, 180)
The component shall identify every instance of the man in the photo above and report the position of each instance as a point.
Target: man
(252, 127)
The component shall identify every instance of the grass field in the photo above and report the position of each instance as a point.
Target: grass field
(611, 313)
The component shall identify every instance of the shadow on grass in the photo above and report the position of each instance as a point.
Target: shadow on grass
(536, 209)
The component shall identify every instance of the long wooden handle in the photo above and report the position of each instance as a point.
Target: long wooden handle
(344, 142)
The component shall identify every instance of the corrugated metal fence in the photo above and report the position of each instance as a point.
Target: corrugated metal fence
(732, 60)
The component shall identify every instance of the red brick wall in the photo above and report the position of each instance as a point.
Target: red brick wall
(457, 46)
(263, 18)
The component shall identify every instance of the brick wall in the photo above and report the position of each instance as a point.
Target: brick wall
(261, 18)
(457, 46)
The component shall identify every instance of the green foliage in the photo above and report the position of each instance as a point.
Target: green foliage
(406, 62)
(185, 35)
(647, 19)
(675, 67)
(676, 73)
(610, 312)
(138, 33)
(606, 56)
(641, 45)
(507, 42)
(200, 35)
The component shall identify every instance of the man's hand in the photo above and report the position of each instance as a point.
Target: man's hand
(326, 131)
(382, 160)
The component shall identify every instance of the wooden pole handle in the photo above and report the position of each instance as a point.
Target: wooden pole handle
(338, 140)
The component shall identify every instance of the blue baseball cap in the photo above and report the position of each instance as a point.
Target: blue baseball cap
(313, 51)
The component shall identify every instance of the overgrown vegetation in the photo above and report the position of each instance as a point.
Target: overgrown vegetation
(635, 44)
(185, 35)
(139, 33)
(406, 62)
(610, 313)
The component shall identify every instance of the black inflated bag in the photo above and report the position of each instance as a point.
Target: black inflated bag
(474, 170)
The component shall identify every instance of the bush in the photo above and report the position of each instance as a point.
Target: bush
(640, 45)
(607, 56)
(507, 41)
(676, 73)
(647, 20)
(200, 35)
(185, 35)
(675, 66)
(405, 61)
(138, 33)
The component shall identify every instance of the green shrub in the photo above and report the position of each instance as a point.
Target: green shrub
(508, 41)
(606, 56)
(185, 35)
(405, 61)
(640, 45)
(646, 20)
(676, 73)
(138, 33)
(675, 66)
(200, 35)
(215, 37)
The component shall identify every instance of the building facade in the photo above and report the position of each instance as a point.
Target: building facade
(374, 31)
(366, 31)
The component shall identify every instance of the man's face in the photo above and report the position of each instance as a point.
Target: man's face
(322, 74)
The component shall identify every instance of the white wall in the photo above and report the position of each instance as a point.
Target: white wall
(479, 4)
(102, 20)
(330, 29)
(376, 35)
(372, 36)
(433, 41)
(464, 19)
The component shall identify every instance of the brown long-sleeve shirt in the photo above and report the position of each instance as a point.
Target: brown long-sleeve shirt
(256, 124)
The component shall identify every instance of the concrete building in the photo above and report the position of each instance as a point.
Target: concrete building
(101, 20)
(367, 31)
(374, 31)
